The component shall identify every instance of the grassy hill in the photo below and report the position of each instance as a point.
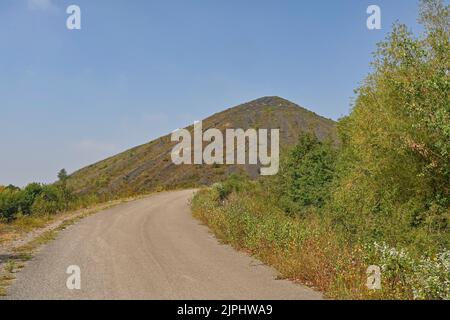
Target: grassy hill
(149, 166)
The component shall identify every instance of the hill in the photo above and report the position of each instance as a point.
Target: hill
(149, 166)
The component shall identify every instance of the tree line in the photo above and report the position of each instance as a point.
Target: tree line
(35, 198)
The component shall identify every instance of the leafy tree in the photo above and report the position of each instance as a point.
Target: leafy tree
(35, 198)
(9, 204)
(66, 193)
(50, 201)
(28, 196)
(12, 188)
(306, 174)
(62, 175)
(394, 171)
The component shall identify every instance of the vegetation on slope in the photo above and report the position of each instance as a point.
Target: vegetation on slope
(381, 197)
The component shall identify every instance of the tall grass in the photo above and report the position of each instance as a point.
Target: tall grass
(310, 250)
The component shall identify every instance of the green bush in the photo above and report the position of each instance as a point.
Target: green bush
(306, 174)
(50, 201)
(28, 196)
(233, 183)
(424, 278)
(394, 168)
(37, 199)
(9, 204)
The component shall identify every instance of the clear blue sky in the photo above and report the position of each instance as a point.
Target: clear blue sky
(140, 69)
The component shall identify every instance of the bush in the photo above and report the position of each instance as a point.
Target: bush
(394, 169)
(306, 175)
(28, 196)
(50, 201)
(424, 278)
(9, 204)
(35, 199)
(233, 183)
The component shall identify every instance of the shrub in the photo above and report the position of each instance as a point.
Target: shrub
(49, 201)
(9, 204)
(403, 275)
(233, 183)
(28, 196)
(306, 175)
(394, 168)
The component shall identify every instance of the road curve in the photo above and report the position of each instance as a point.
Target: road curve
(149, 249)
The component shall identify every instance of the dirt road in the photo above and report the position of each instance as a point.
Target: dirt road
(148, 249)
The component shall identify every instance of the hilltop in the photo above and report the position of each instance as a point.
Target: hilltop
(149, 166)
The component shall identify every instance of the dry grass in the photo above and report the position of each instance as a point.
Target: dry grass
(302, 250)
(14, 230)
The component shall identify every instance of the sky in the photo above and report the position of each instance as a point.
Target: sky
(140, 69)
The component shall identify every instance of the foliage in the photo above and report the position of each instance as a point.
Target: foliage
(394, 169)
(306, 175)
(9, 204)
(62, 175)
(50, 201)
(382, 199)
(305, 249)
(28, 197)
(35, 199)
(233, 183)
(425, 278)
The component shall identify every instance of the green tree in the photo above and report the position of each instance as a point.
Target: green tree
(394, 171)
(306, 174)
(12, 188)
(9, 204)
(62, 175)
(66, 192)
(50, 200)
(27, 197)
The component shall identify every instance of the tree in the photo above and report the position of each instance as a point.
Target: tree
(66, 193)
(12, 188)
(50, 200)
(62, 175)
(306, 174)
(28, 197)
(9, 204)
(394, 171)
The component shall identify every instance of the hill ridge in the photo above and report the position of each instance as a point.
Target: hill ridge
(147, 167)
